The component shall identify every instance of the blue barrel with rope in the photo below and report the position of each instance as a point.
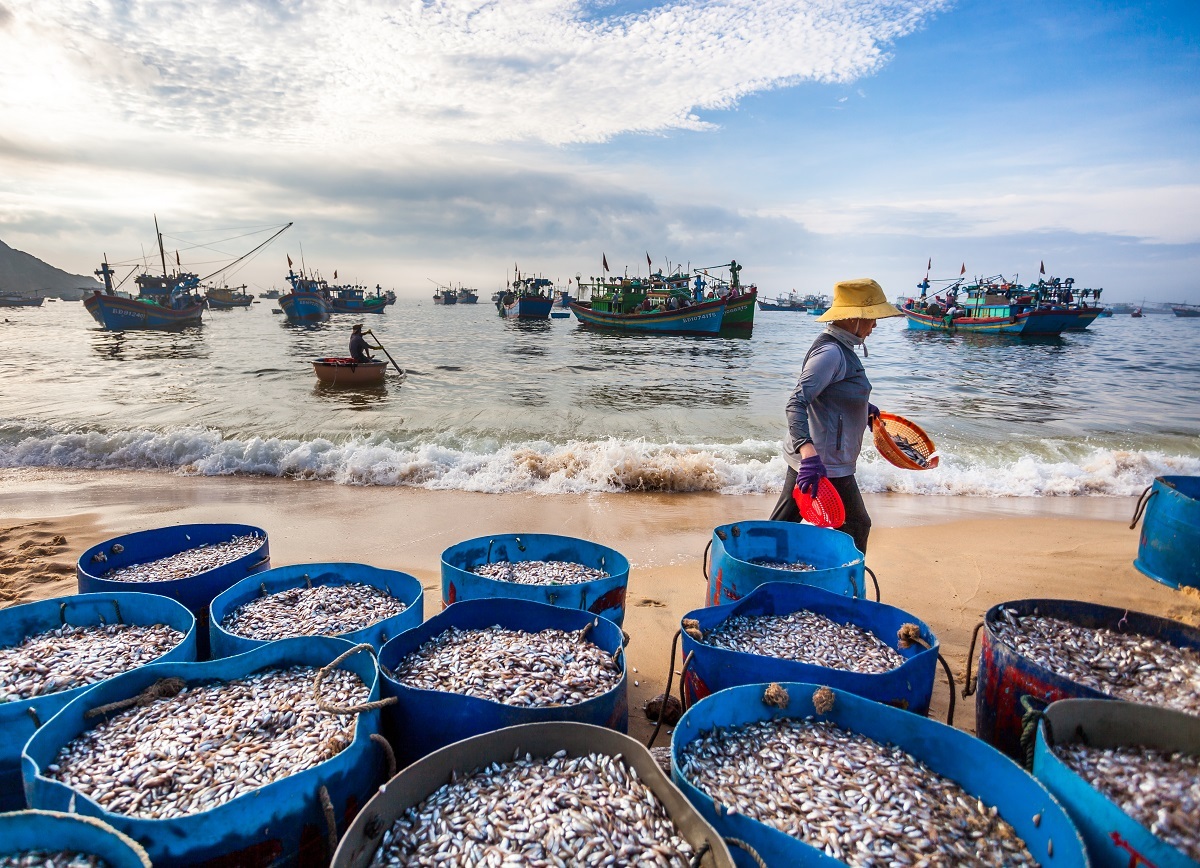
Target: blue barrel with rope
(603, 596)
(422, 721)
(291, 820)
(747, 554)
(21, 718)
(403, 587)
(708, 668)
(980, 770)
(1114, 838)
(541, 741)
(1009, 685)
(195, 590)
(23, 833)
(1169, 544)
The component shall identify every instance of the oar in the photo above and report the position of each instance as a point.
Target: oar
(399, 369)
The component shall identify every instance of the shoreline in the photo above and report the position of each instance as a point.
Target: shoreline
(946, 560)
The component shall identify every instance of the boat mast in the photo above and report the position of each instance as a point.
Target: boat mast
(161, 254)
(255, 250)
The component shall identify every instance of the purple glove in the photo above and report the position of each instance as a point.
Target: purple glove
(809, 476)
(872, 416)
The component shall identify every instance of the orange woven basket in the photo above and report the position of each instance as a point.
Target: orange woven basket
(893, 432)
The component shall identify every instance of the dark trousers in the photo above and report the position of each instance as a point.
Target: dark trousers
(858, 523)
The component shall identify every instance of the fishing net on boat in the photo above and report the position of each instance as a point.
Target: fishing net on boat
(903, 443)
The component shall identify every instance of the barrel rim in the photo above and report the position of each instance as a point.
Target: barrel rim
(483, 541)
(790, 527)
(83, 572)
(135, 848)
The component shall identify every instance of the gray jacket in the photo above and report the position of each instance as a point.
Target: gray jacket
(829, 403)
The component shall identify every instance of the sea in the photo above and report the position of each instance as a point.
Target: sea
(490, 405)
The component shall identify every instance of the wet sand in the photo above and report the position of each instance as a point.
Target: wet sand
(945, 560)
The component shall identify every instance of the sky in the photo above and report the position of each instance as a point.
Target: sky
(416, 142)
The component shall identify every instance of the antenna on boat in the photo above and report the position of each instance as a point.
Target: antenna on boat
(161, 254)
(303, 267)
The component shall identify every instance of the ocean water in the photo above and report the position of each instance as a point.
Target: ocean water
(548, 407)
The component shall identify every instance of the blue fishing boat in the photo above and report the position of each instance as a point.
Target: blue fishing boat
(998, 306)
(674, 305)
(353, 299)
(703, 318)
(791, 302)
(162, 303)
(527, 298)
(445, 295)
(467, 296)
(308, 302)
(227, 298)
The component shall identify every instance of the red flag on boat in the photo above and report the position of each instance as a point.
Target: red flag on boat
(177, 265)
(1042, 270)
(649, 264)
(930, 265)
(335, 274)
(604, 262)
(964, 269)
(289, 261)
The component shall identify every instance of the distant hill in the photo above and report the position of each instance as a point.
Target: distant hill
(24, 274)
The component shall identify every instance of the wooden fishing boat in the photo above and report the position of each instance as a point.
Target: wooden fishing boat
(739, 311)
(308, 302)
(445, 295)
(791, 302)
(995, 305)
(527, 298)
(11, 299)
(353, 299)
(1186, 310)
(697, 319)
(467, 296)
(345, 371)
(227, 298)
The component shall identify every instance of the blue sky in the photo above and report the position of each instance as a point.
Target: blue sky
(447, 140)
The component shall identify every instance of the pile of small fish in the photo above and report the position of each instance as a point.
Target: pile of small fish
(587, 810)
(910, 451)
(540, 572)
(51, 859)
(189, 562)
(859, 801)
(210, 743)
(794, 566)
(68, 657)
(1159, 789)
(322, 610)
(807, 637)
(1123, 665)
(550, 667)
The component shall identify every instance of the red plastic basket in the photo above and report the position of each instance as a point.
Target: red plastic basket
(824, 510)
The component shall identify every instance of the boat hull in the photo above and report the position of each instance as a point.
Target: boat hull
(336, 306)
(739, 314)
(1086, 316)
(1046, 322)
(767, 305)
(699, 319)
(1186, 312)
(347, 372)
(116, 313)
(528, 307)
(999, 325)
(20, 301)
(445, 299)
(304, 308)
(219, 304)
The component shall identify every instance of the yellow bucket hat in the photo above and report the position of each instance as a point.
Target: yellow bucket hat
(859, 299)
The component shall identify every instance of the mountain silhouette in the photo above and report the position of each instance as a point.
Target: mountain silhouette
(25, 274)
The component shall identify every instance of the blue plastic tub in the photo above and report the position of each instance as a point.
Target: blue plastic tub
(22, 831)
(731, 575)
(422, 721)
(980, 770)
(20, 720)
(1113, 838)
(195, 592)
(908, 686)
(1169, 545)
(604, 597)
(280, 823)
(402, 586)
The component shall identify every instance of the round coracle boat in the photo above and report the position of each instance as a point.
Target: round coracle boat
(347, 372)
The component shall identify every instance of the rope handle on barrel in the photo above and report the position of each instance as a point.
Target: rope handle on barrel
(666, 693)
(1143, 502)
(969, 685)
(742, 845)
(1029, 724)
(347, 709)
(910, 634)
(161, 689)
(265, 559)
(687, 661)
(387, 752)
(330, 819)
(704, 559)
(874, 579)
(62, 610)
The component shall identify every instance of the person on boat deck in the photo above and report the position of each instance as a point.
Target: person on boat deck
(830, 409)
(359, 346)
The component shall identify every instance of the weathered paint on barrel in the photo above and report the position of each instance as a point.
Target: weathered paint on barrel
(980, 770)
(1169, 544)
(423, 777)
(22, 831)
(604, 597)
(280, 823)
(1005, 676)
(20, 720)
(422, 721)
(402, 586)
(908, 686)
(1113, 838)
(731, 576)
(195, 592)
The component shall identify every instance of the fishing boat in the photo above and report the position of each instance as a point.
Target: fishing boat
(816, 304)
(527, 298)
(791, 302)
(1106, 312)
(270, 293)
(344, 371)
(445, 295)
(467, 296)
(227, 298)
(652, 306)
(1136, 313)
(1186, 310)
(308, 302)
(353, 299)
(995, 305)
(11, 299)
(738, 317)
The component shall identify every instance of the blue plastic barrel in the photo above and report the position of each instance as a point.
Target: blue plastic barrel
(19, 720)
(1113, 838)
(23, 831)
(731, 575)
(416, 782)
(280, 823)
(1006, 677)
(422, 721)
(908, 686)
(980, 770)
(604, 597)
(195, 592)
(1169, 545)
(402, 586)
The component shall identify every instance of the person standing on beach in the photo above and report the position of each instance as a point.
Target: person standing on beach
(829, 410)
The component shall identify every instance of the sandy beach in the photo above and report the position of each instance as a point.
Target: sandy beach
(946, 560)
